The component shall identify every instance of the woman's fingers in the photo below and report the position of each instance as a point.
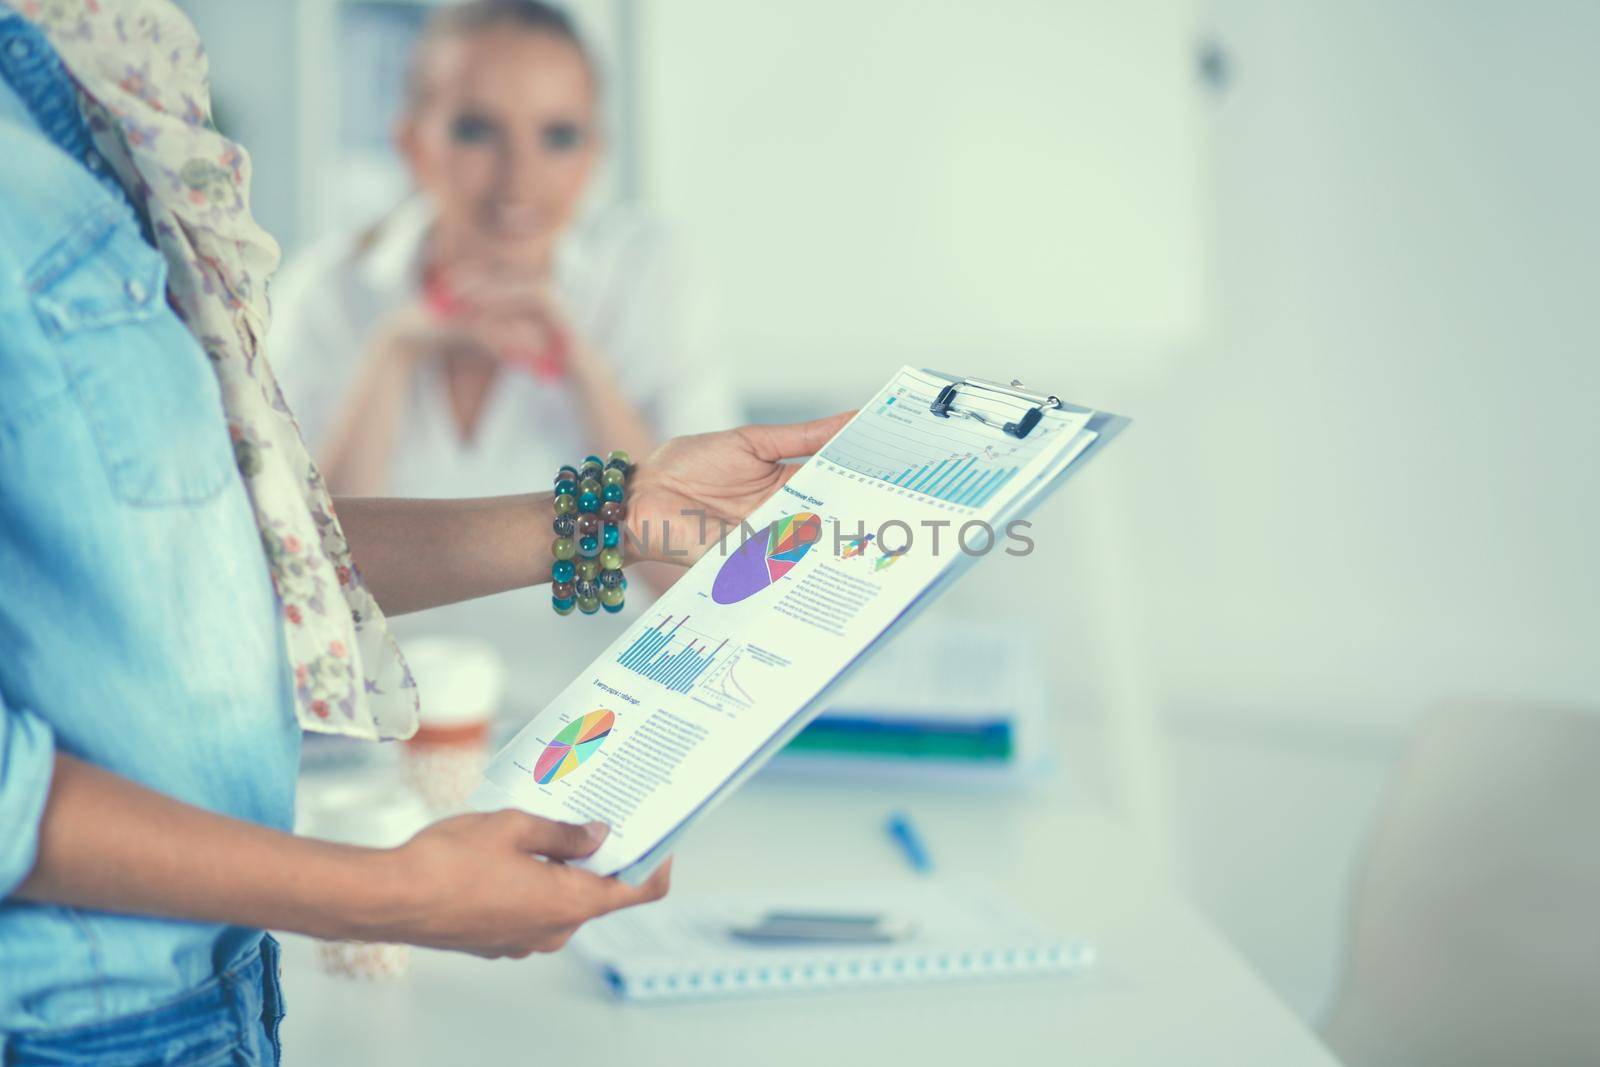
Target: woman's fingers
(612, 895)
(472, 883)
(508, 291)
(555, 840)
(796, 439)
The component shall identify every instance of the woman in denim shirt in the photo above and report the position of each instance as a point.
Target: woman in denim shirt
(150, 700)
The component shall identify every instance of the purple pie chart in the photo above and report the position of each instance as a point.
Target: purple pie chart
(766, 557)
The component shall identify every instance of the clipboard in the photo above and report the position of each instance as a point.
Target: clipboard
(954, 400)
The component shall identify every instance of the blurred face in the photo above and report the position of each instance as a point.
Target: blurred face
(503, 140)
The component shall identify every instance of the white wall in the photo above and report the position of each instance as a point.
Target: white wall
(1387, 489)
(249, 44)
(949, 184)
(1376, 486)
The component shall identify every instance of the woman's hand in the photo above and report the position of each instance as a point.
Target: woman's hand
(691, 488)
(493, 885)
(513, 315)
(486, 884)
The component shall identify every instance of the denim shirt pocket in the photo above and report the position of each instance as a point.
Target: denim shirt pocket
(146, 389)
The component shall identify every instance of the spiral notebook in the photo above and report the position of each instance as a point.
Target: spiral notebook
(682, 950)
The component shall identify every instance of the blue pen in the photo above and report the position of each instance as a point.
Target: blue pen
(905, 835)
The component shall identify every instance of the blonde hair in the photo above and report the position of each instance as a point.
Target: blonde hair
(462, 19)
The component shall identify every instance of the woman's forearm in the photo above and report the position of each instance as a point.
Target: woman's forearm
(417, 554)
(610, 418)
(361, 441)
(476, 883)
(110, 844)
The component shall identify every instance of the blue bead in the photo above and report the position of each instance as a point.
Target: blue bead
(610, 535)
(612, 492)
(589, 547)
(589, 502)
(563, 570)
(566, 488)
(563, 605)
(596, 460)
(613, 608)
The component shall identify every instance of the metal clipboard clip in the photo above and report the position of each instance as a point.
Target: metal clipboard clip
(944, 404)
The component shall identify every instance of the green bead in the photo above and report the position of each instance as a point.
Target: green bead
(563, 605)
(566, 505)
(610, 535)
(562, 570)
(619, 456)
(613, 476)
(591, 469)
(612, 596)
(586, 569)
(586, 501)
(563, 548)
(611, 559)
(589, 485)
(588, 604)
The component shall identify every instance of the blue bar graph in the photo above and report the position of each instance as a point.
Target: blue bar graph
(959, 480)
(663, 655)
(922, 483)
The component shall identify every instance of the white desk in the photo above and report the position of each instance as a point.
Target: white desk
(1168, 990)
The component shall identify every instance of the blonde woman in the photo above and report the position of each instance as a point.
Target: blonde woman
(492, 323)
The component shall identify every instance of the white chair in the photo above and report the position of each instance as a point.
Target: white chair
(1477, 914)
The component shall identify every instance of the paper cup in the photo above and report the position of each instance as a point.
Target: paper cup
(459, 685)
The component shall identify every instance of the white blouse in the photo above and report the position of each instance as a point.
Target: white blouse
(617, 280)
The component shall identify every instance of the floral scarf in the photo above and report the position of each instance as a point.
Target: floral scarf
(144, 87)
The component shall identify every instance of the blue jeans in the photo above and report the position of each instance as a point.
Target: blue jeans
(231, 1020)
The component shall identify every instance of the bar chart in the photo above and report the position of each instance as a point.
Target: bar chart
(958, 479)
(959, 461)
(670, 653)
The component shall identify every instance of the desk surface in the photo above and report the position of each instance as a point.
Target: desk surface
(1168, 989)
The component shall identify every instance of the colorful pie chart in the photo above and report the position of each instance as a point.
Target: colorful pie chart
(577, 741)
(766, 557)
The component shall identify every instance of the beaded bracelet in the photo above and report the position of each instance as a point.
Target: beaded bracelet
(590, 503)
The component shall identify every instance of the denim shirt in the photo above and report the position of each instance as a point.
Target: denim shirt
(138, 625)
